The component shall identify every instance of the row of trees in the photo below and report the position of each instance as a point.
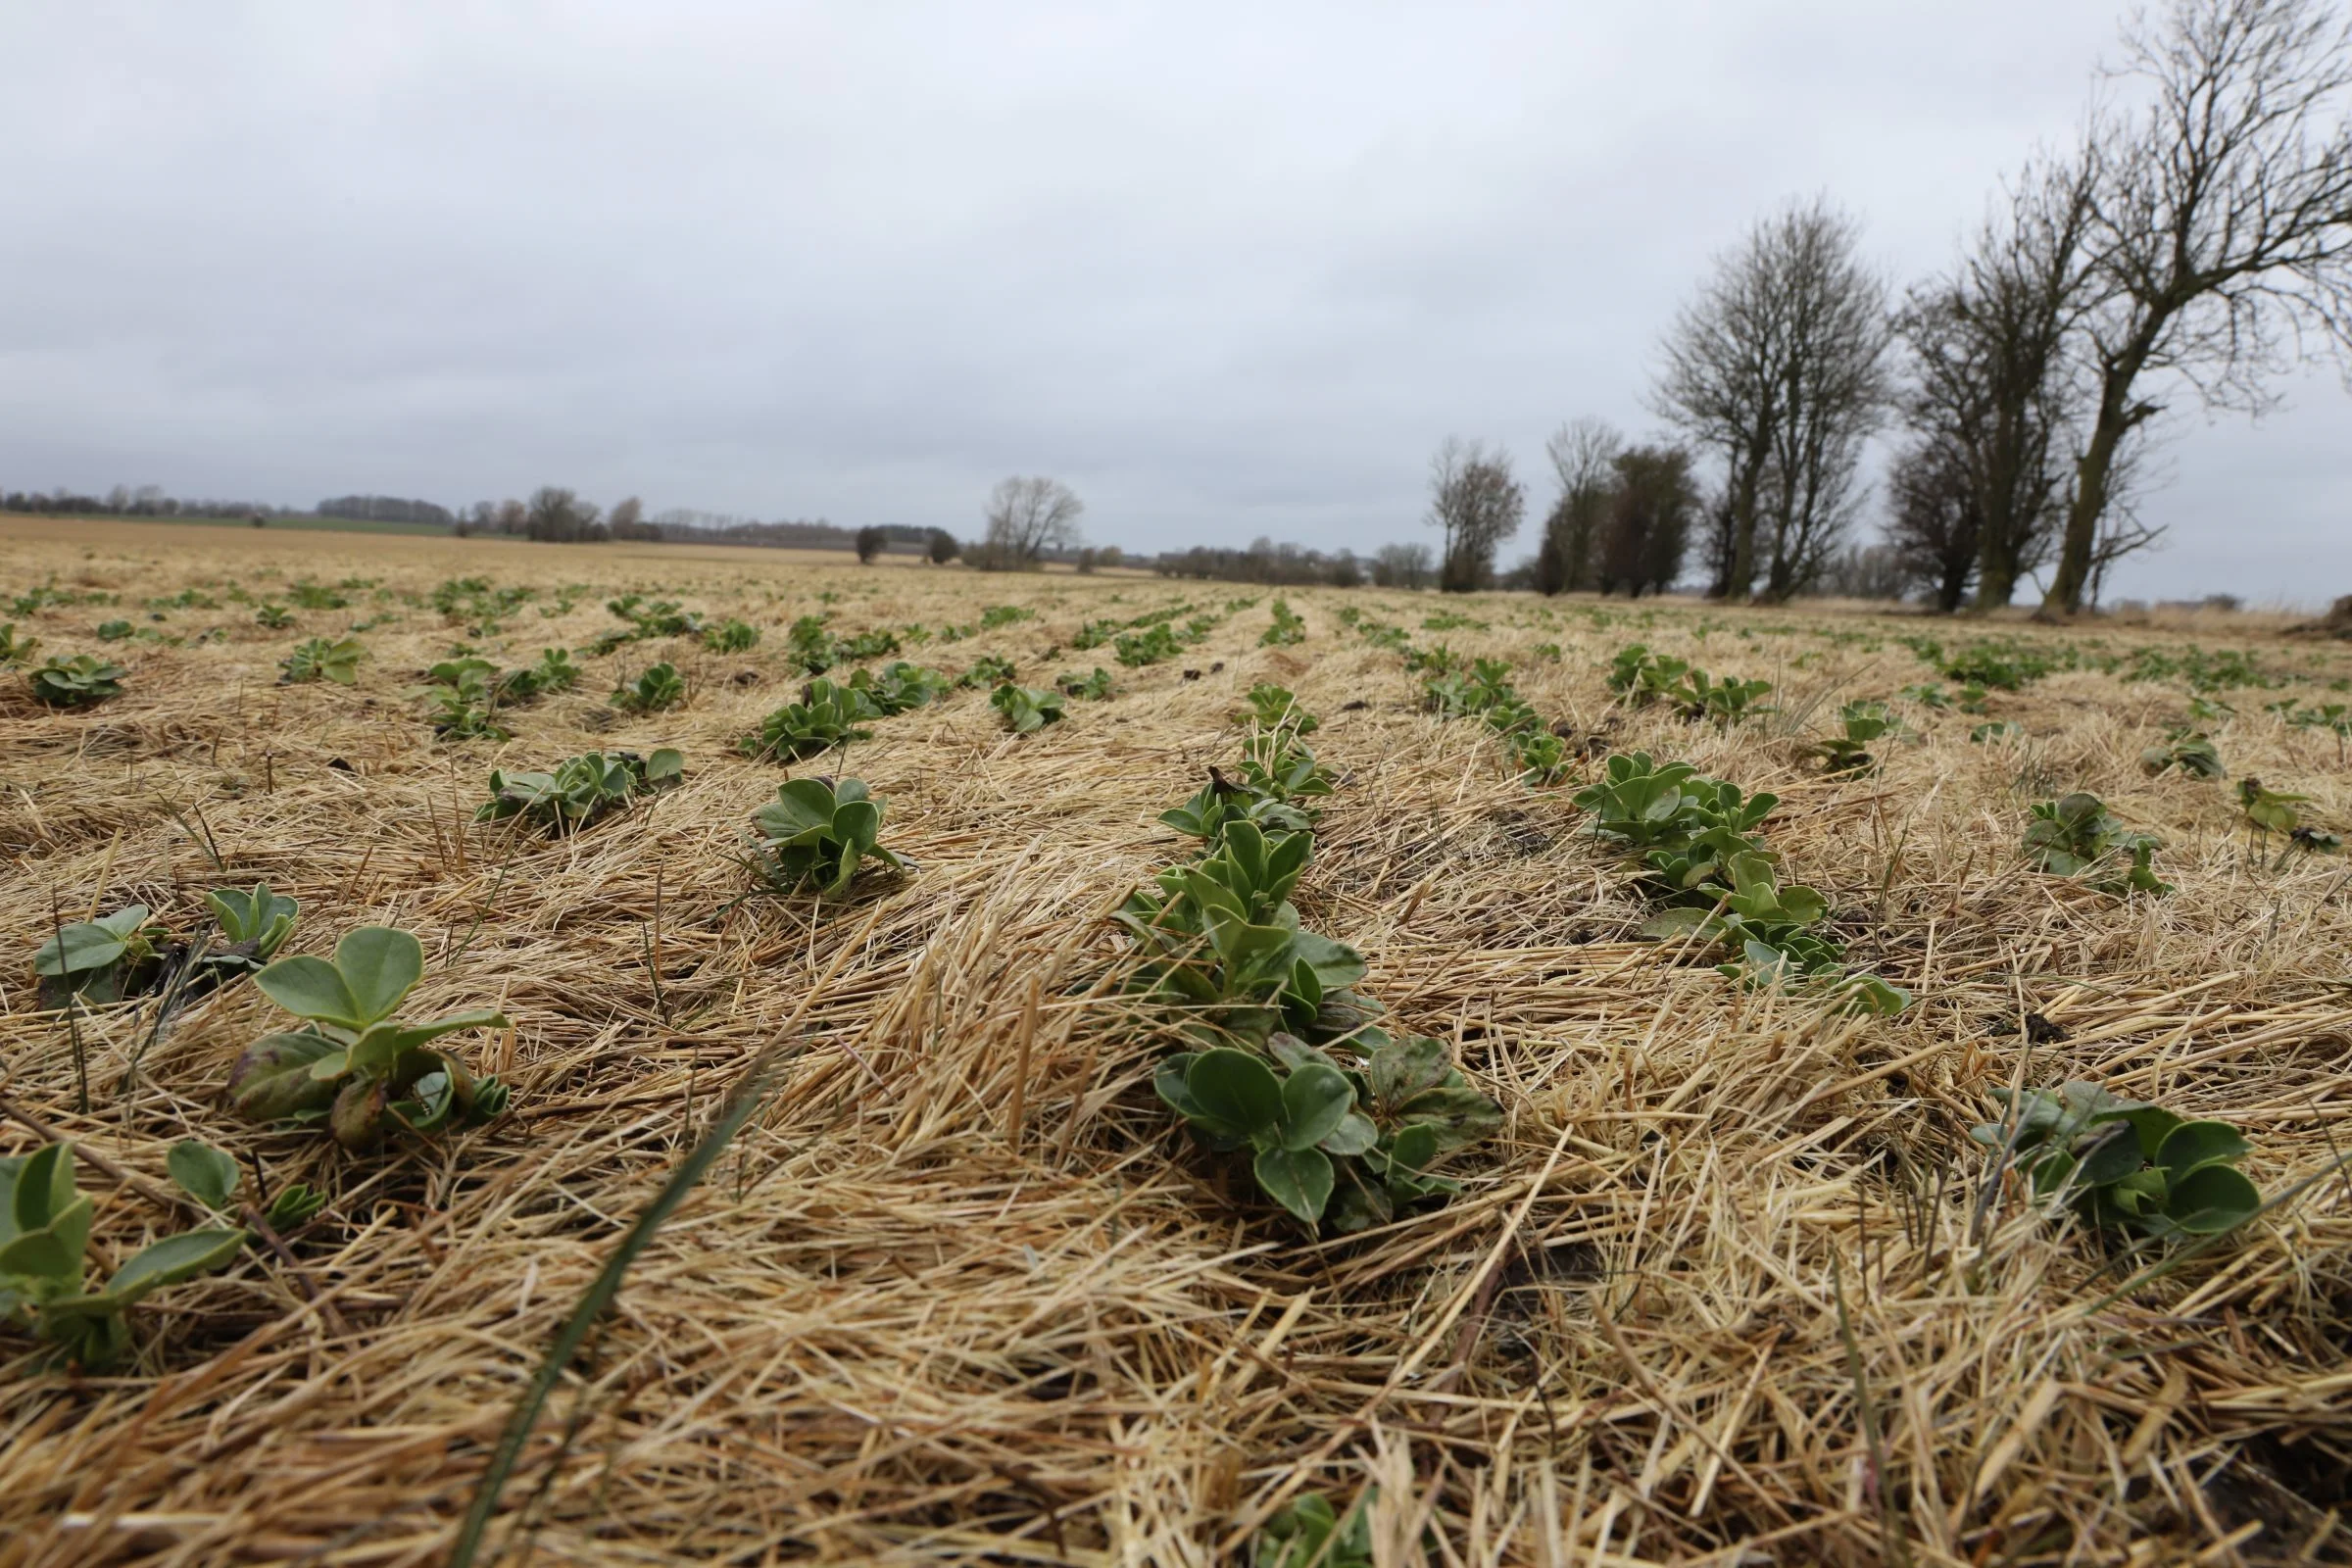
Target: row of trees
(2193, 244)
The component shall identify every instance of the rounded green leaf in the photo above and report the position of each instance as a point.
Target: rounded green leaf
(1315, 1101)
(2194, 1144)
(2211, 1199)
(310, 987)
(380, 964)
(2115, 1156)
(206, 1174)
(1298, 1179)
(1355, 1135)
(272, 1078)
(172, 1259)
(1237, 1088)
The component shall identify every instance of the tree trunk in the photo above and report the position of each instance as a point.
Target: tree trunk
(2093, 471)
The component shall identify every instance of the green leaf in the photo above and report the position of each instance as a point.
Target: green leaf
(1298, 1179)
(1455, 1115)
(380, 964)
(44, 1187)
(2211, 1199)
(272, 1079)
(1315, 1101)
(206, 1174)
(1238, 1089)
(172, 1259)
(1355, 1135)
(2196, 1145)
(1404, 1069)
(2113, 1157)
(310, 987)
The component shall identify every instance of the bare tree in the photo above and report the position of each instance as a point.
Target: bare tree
(1994, 398)
(1402, 567)
(1651, 498)
(1581, 454)
(1478, 505)
(560, 516)
(1934, 520)
(1779, 370)
(1026, 518)
(2220, 227)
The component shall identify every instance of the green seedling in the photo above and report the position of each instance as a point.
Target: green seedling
(1726, 701)
(278, 617)
(1288, 627)
(811, 647)
(14, 650)
(1222, 937)
(44, 1232)
(815, 834)
(83, 682)
(827, 715)
(1640, 678)
(1093, 634)
(554, 672)
(354, 1065)
(115, 631)
(2075, 836)
(2123, 1165)
(1150, 646)
(869, 645)
(102, 961)
(1220, 801)
(581, 788)
(659, 688)
(1926, 696)
(1278, 765)
(1863, 723)
(1026, 708)
(994, 615)
(1362, 1128)
(254, 923)
(2190, 752)
(316, 659)
(1307, 1532)
(212, 1176)
(731, 637)
(1275, 708)
(1093, 688)
(462, 698)
(899, 687)
(987, 671)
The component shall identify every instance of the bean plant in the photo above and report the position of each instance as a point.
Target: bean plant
(107, 959)
(581, 788)
(827, 715)
(1348, 1132)
(44, 1285)
(354, 1065)
(14, 650)
(899, 687)
(1288, 627)
(2125, 1166)
(82, 681)
(731, 637)
(316, 659)
(816, 836)
(2189, 751)
(1026, 708)
(2074, 836)
(1093, 688)
(656, 689)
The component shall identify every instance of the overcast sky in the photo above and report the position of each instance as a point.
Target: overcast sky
(1229, 271)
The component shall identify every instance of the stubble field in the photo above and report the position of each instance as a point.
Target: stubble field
(1729, 1282)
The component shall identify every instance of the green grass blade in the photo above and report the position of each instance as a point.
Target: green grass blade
(750, 1094)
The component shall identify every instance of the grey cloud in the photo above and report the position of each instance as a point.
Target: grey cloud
(1229, 269)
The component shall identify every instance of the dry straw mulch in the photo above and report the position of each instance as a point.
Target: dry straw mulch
(1721, 1291)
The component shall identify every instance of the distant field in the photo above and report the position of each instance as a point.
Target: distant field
(1726, 1280)
(282, 524)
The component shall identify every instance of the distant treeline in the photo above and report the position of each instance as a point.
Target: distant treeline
(147, 501)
